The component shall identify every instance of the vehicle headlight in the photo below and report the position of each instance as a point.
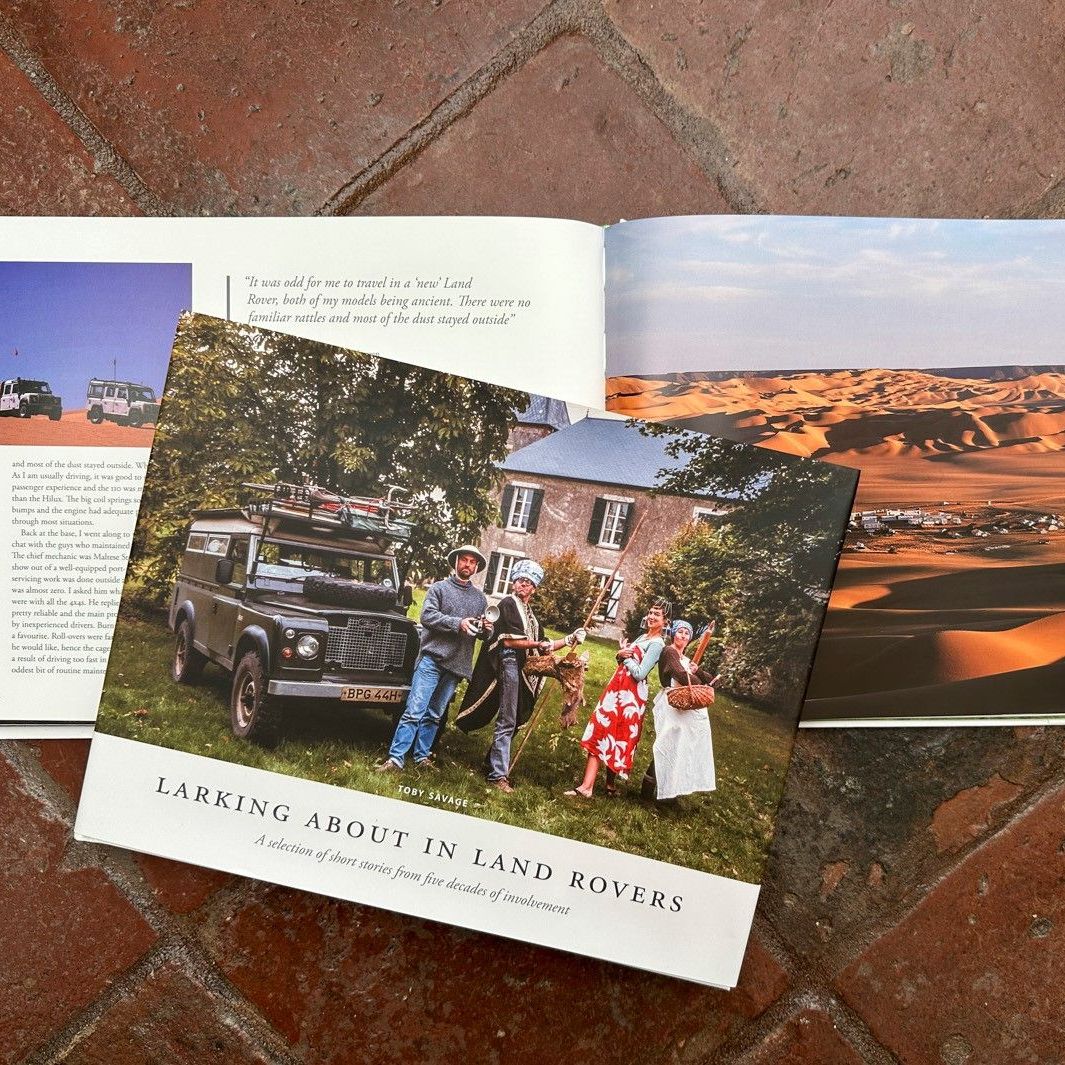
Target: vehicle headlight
(308, 647)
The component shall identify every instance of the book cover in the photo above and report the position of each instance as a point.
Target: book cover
(462, 651)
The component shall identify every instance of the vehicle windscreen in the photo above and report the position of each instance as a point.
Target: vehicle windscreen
(141, 395)
(36, 386)
(291, 563)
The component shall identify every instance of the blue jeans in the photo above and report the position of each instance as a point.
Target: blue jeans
(431, 689)
(507, 719)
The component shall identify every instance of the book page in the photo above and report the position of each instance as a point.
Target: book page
(90, 306)
(926, 353)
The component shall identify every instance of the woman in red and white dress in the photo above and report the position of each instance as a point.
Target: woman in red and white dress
(616, 723)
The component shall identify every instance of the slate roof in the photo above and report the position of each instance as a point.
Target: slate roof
(544, 411)
(603, 450)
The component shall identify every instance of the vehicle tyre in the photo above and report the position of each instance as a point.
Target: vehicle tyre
(188, 662)
(134, 419)
(95, 415)
(335, 591)
(55, 415)
(254, 714)
(23, 409)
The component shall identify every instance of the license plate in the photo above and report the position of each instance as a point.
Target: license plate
(373, 695)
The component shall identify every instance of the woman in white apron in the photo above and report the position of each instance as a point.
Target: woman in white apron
(683, 760)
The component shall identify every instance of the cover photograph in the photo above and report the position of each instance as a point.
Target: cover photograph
(926, 353)
(462, 651)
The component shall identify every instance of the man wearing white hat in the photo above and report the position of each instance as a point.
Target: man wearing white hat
(451, 621)
(499, 686)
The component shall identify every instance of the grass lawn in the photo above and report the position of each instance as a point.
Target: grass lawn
(725, 832)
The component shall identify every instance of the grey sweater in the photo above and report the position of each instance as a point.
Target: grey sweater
(446, 603)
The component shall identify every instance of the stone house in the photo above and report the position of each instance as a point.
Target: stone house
(587, 486)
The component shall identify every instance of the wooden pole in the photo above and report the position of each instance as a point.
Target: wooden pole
(537, 710)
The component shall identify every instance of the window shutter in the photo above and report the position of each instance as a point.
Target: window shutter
(490, 573)
(595, 529)
(505, 505)
(534, 509)
(626, 523)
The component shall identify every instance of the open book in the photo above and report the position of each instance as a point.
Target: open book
(455, 648)
(925, 353)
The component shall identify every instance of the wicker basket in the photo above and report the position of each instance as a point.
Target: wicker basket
(690, 697)
(540, 665)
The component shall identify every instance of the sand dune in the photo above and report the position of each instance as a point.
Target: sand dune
(1031, 692)
(919, 625)
(875, 411)
(73, 430)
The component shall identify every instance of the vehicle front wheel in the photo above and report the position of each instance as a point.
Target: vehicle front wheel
(254, 714)
(95, 415)
(55, 415)
(23, 409)
(188, 662)
(135, 419)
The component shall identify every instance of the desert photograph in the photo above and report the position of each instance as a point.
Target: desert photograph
(949, 601)
(84, 349)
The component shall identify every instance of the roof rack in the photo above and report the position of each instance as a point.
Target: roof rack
(379, 516)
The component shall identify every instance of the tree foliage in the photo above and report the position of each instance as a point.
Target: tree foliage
(242, 404)
(562, 601)
(764, 572)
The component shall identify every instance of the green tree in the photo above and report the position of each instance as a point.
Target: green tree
(244, 404)
(562, 601)
(764, 572)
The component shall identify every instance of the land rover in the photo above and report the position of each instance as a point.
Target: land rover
(23, 398)
(298, 597)
(121, 401)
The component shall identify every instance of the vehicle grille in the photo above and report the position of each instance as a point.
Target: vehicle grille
(366, 644)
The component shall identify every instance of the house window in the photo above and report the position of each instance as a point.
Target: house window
(707, 516)
(608, 608)
(520, 507)
(497, 576)
(611, 518)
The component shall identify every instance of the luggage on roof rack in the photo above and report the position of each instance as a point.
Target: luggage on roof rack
(375, 516)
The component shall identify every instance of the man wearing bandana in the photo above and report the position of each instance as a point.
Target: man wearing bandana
(499, 687)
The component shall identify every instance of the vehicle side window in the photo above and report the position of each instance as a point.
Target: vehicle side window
(110, 392)
(122, 393)
(7, 388)
(217, 544)
(197, 541)
(238, 552)
(96, 392)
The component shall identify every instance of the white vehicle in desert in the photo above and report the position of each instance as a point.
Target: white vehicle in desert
(23, 397)
(121, 401)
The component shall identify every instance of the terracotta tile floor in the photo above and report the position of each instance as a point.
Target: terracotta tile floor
(914, 906)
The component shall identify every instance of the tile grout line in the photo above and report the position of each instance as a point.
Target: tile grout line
(872, 922)
(176, 941)
(105, 157)
(1051, 204)
(562, 17)
(553, 21)
(700, 138)
(745, 1045)
(174, 951)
